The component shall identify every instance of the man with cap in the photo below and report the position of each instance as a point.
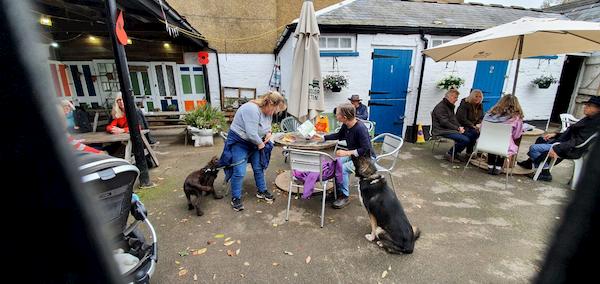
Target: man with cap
(361, 110)
(568, 140)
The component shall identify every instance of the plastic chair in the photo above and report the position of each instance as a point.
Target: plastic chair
(566, 120)
(578, 163)
(439, 139)
(389, 149)
(308, 161)
(289, 124)
(494, 139)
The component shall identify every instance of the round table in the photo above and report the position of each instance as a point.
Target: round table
(283, 179)
(534, 132)
(517, 170)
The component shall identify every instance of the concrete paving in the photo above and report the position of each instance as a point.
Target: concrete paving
(473, 229)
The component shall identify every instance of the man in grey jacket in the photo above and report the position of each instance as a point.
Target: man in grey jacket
(445, 124)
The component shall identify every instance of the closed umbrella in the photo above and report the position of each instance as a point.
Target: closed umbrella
(522, 38)
(306, 95)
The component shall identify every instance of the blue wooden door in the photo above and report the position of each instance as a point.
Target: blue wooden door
(489, 78)
(389, 85)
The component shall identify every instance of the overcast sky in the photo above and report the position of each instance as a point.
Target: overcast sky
(522, 3)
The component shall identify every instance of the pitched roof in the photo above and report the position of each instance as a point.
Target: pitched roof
(396, 13)
(583, 10)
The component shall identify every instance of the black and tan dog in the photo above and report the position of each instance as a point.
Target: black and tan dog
(389, 225)
(201, 182)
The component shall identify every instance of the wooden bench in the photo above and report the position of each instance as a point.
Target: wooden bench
(174, 126)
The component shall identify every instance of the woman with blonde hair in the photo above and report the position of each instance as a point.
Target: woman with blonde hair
(248, 141)
(507, 110)
(470, 114)
(119, 124)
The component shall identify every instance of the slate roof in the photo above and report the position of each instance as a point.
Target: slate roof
(584, 10)
(397, 13)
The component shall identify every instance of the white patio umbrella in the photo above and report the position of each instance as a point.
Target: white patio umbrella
(522, 38)
(306, 95)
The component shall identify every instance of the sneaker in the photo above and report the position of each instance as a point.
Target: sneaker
(237, 205)
(266, 195)
(341, 202)
(528, 164)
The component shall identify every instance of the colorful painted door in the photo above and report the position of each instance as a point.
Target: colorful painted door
(142, 88)
(165, 86)
(193, 91)
(489, 78)
(389, 86)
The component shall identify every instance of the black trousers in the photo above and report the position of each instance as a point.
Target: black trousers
(495, 160)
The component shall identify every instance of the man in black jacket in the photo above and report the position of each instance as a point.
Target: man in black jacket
(568, 140)
(444, 123)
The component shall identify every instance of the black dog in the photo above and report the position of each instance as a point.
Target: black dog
(200, 182)
(389, 224)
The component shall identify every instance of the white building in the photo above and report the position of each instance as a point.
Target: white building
(377, 44)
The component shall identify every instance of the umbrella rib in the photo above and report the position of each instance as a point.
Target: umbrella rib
(576, 35)
(456, 52)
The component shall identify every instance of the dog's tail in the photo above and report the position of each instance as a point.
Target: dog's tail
(416, 232)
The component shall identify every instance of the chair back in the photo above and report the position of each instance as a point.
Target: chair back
(390, 147)
(289, 124)
(223, 135)
(566, 119)
(494, 138)
(308, 161)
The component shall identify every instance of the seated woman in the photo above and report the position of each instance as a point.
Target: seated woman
(119, 124)
(470, 114)
(357, 138)
(507, 110)
(248, 141)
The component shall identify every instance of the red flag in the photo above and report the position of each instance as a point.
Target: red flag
(120, 29)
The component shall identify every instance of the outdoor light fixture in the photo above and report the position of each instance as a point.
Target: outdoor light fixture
(93, 39)
(54, 44)
(46, 21)
(129, 41)
(166, 45)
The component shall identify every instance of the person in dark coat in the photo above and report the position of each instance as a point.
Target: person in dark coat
(361, 110)
(444, 123)
(470, 114)
(568, 140)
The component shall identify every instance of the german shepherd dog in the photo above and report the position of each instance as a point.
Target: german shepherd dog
(201, 182)
(390, 227)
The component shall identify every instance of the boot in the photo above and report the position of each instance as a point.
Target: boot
(545, 175)
(528, 164)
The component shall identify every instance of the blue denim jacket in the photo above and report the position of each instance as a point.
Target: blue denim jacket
(227, 160)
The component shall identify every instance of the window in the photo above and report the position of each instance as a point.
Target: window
(437, 42)
(337, 43)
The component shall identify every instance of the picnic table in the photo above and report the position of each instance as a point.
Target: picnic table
(165, 119)
(107, 138)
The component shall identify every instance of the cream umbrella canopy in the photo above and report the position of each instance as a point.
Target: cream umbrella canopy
(522, 38)
(306, 95)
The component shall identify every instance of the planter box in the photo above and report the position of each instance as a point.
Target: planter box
(201, 137)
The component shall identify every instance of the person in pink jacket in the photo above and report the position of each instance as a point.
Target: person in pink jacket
(507, 110)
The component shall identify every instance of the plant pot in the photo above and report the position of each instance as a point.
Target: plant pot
(544, 85)
(202, 137)
(336, 89)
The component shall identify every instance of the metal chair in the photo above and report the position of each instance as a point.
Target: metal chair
(289, 124)
(310, 161)
(439, 139)
(578, 163)
(566, 120)
(390, 148)
(342, 143)
(223, 135)
(494, 139)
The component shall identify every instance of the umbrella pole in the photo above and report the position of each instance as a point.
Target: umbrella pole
(521, 37)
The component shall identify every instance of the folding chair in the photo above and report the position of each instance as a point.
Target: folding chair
(494, 139)
(308, 161)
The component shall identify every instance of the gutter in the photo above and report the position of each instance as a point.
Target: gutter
(283, 38)
(420, 87)
(218, 73)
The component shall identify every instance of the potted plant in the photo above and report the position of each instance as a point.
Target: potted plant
(203, 123)
(335, 82)
(544, 82)
(450, 82)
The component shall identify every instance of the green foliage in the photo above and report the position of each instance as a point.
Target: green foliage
(172, 107)
(449, 82)
(206, 117)
(275, 128)
(544, 81)
(334, 80)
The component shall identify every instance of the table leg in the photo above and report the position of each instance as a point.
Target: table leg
(128, 156)
(150, 150)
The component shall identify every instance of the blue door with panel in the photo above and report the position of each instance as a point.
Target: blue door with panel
(389, 86)
(489, 78)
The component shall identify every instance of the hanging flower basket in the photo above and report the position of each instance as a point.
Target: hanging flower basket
(544, 82)
(450, 82)
(335, 82)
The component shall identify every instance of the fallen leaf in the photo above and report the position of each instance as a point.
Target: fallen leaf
(237, 252)
(274, 225)
(258, 211)
(214, 276)
(177, 262)
(242, 275)
(195, 277)
(239, 242)
(209, 222)
(227, 239)
(247, 263)
(199, 251)
(183, 272)
(230, 252)
(384, 274)
(183, 253)
(219, 236)
(210, 242)
(308, 259)
(295, 274)
(390, 268)
(275, 263)
(418, 206)
(183, 220)
(160, 178)
(288, 252)
(229, 243)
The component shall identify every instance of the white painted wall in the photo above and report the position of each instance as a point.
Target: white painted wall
(237, 70)
(536, 103)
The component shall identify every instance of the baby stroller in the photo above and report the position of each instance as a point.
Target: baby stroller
(113, 179)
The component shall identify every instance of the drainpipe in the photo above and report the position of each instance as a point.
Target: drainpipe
(218, 73)
(423, 58)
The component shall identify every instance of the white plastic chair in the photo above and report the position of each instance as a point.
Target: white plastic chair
(390, 148)
(494, 139)
(578, 163)
(289, 124)
(308, 161)
(566, 120)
